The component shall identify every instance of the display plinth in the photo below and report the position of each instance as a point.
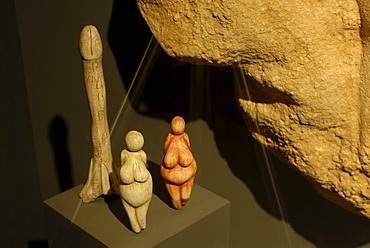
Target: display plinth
(203, 222)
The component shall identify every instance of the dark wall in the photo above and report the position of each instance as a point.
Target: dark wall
(21, 218)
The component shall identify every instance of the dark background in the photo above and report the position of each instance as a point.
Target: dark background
(45, 128)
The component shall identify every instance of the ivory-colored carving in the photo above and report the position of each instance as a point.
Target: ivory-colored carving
(178, 166)
(101, 163)
(310, 61)
(136, 182)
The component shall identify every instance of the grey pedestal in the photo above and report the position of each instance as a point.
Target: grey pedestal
(203, 222)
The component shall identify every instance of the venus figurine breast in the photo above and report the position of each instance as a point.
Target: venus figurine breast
(178, 166)
(136, 182)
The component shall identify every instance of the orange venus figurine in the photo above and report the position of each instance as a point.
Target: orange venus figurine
(178, 166)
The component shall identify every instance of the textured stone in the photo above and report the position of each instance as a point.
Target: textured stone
(309, 61)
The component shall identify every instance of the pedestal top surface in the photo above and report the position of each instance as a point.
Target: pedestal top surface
(106, 220)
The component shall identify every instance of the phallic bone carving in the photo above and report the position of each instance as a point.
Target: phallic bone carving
(101, 169)
(310, 64)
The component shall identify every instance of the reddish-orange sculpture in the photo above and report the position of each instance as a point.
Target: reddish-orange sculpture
(178, 166)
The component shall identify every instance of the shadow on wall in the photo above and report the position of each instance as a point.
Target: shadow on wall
(316, 219)
(58, 135)
(128, 35)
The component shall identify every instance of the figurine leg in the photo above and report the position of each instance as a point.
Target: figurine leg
(141, 214)
(174, 191)
(131, 212)
(186, 190)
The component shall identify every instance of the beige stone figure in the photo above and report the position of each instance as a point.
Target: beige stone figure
(178, 166)
(307, 65)
(101, 163)
(136, 181)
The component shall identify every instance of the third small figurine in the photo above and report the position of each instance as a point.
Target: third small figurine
(178, 166)
(136, 187)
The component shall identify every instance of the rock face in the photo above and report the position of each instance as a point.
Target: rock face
(310, 64)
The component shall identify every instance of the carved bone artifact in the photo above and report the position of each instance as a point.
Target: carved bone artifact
(136, 182)
(101, 163)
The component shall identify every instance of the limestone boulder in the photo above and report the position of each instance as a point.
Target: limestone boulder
(306, 65)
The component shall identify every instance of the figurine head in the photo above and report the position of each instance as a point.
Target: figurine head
(134, 141)
(177, 125)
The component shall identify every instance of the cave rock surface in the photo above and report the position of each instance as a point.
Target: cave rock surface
(308, 70)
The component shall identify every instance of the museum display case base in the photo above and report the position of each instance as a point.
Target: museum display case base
(203, 222)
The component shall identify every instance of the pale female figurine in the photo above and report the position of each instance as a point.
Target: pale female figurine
(178, 166)
(136, 182)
